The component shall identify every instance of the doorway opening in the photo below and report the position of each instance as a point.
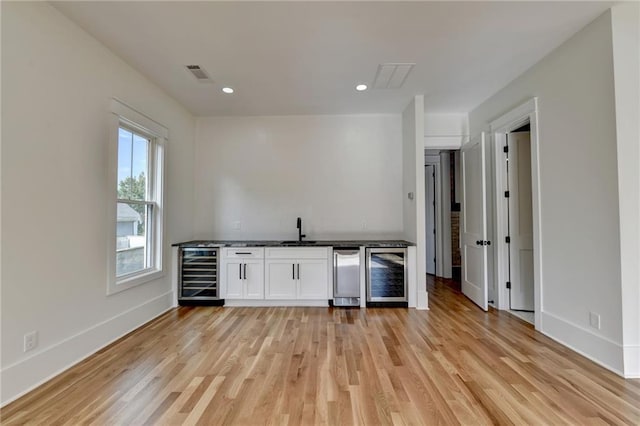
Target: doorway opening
(519, 239)
(439, 199)
(517, 216)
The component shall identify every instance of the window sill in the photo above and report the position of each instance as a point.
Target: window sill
(134, 281)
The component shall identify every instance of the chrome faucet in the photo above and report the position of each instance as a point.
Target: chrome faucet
(299, 226)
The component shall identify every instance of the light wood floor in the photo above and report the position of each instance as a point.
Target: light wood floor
(453, 364)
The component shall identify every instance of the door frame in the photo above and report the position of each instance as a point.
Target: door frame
(527, 112)
(427, 207)
(434, 160)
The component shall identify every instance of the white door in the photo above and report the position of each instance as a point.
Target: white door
(234, 280)
(430, 209)
(253, 274)
(312, 279)
(520, 222)
(280, 279)
(473, 224)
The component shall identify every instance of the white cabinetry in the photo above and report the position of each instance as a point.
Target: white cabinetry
(280, 279)
(244, 273)
(296, 273)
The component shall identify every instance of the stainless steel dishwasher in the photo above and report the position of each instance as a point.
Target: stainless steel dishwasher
(346, 277)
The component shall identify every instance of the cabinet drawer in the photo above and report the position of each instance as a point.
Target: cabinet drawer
(296, 252)
(244, 253)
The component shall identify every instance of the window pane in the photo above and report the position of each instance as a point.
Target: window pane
(132, 242)
(125, 141)
(140, 167)
(133, 166)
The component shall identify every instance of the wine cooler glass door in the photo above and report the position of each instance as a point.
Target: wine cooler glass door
(386, 275)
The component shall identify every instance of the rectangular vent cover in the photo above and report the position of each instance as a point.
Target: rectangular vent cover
(199, 73)
(392, 75)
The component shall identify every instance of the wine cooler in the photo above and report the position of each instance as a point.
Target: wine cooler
(386, 276)
(199, 276)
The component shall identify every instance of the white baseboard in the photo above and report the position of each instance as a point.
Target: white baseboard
(631, 361)
(599, 349)
(25, 375)
(274, 303)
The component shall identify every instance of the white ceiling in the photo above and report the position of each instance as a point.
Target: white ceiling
(306, 57)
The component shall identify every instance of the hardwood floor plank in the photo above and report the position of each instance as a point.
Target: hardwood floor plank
(454, 364)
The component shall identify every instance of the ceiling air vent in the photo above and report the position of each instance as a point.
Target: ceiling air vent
(392, 75)
(199, 73)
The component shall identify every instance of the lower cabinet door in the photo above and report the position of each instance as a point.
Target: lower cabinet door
(313, 279)
(233, 272)
(253, 274)
(280, 279)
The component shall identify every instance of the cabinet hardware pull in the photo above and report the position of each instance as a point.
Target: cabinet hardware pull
(245, 271)
(243, 252)
(298, 271)
(240, 270)
(293, 271)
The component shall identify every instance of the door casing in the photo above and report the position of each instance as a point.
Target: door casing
(527, 112)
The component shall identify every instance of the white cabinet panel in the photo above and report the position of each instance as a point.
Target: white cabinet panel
(280, 279)
(244, 253)
(296, 252)
(312, 282)
(244, 273)
(234, 280)
(253, 279)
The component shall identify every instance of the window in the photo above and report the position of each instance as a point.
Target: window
(136, 176)
(134, 220)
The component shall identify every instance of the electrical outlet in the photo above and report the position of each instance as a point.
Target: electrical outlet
(30, 341)
(594, 320)
(237, 225)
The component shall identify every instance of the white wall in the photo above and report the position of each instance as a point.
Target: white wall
(413, 210)
(341, 174)
(57, 82)
(579, 188)
(445, 131)
(626, 65)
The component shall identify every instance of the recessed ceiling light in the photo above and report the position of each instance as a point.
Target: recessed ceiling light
(227, 90)
(361, 87)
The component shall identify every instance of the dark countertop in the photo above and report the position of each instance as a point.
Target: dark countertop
(290, 243)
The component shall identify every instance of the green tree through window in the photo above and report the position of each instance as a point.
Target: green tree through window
(134, 188)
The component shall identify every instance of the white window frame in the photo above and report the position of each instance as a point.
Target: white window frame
(126, 117)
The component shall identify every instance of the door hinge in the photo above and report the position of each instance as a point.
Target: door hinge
(507, 240)
(505, 149)
(509, 284)
(506, 194)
